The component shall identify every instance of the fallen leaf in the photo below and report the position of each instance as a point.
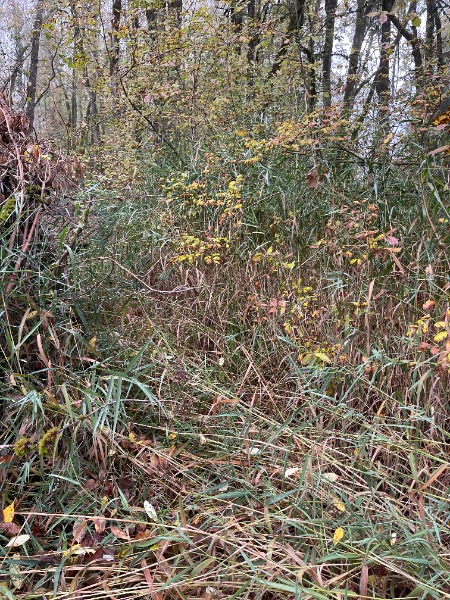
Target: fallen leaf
(121, 535)
(8, 513)
(19, 540)
(438, 150)
(291, 471)
(143, 535)
(312, 179)
(10, 529)
(99, 523)
(151, 512)
(323, 357)
(338, 535)
(441, 336)
(337, 503)
(79, 530)
(391, 240)
(148, 577)
(17, 579)
(428, 305)
(423, 346)
(78, 550)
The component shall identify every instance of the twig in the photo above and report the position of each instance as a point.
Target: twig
(177, 290)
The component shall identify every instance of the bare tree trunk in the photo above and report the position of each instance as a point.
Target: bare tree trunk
(311, 87)
(236, 15)
(295, 24)
(330, 17)
(439, 44)
(176, 7)
(150, 15)
(382, 84)
(34, 61)
(293, 32)
(237, 20)
(411, 36)
(115, 49)
(429, 33)
(354, 59)
(433, 35)
(252, 54)
(92, 109)
(20, 50)
(73, 101)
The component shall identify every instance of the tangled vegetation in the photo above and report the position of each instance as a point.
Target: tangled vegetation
(225, 330)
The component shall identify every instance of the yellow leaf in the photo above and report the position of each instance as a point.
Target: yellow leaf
(337, 503)
(8, 513)
(338, 535)
(441, 336)
(69, 551)
(323, 357)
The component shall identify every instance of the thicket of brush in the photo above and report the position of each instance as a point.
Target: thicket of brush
(228, 378)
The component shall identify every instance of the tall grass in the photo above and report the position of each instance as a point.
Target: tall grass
(266, 402)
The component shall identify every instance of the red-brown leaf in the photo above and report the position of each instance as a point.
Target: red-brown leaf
(99, 523)
(119, 533)
(10, 529)
(79, 530)
(312, 179)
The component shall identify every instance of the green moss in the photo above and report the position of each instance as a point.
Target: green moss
(8, 207)
(23, 446)
(47, 441)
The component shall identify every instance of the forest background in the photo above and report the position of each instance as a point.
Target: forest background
(225, 313)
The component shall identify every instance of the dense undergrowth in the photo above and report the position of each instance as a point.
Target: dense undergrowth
(255, 343)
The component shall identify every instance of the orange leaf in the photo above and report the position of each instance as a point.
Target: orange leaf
(428, 305)
(423, 346)
(438, 150)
